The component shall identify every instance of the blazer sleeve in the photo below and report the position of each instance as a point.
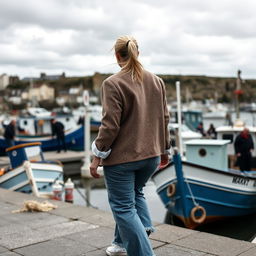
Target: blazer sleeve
(166, 117)
(111, 110)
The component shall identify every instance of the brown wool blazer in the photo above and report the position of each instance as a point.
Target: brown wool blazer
(135, 118)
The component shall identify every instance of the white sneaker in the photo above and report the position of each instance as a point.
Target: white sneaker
(116, 250)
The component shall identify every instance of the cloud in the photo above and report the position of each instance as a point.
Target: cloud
(76, 36)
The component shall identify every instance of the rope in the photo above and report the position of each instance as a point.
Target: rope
(34, 206)
(191, 193)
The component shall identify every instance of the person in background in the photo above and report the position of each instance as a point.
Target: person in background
(59, 131)
(9, 133)
(211, 132)
(80, 120)
(243, 149)
(200, 128)
(132, 137)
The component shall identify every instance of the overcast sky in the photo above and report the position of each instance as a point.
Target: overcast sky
(209, 37)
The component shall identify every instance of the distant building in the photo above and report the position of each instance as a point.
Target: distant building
(63, 97)
(28, 79)
(44, 76)
(13, 79)
(4, 81)
(14, 96)
(41, 92)
(97, 80)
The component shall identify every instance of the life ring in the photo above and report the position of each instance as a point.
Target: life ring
(171, 189)
(200, 219)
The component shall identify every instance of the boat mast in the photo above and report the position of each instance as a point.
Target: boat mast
(238, 92)
(179, 117)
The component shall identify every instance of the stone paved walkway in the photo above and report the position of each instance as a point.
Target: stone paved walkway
(72, 230)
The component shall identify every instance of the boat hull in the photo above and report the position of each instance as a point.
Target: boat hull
(74, 141)
(221, 193)
(43, 176)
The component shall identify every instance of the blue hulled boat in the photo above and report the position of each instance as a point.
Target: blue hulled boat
(202, 188)
(74, 138)
(29, 172)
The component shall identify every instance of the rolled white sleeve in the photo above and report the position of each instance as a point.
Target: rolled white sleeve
(100, 154)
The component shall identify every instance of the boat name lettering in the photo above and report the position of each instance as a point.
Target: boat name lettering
(240, 180)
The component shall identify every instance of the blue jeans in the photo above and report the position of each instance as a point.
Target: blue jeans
(125, 184)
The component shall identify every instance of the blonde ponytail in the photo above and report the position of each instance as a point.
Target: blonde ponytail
(127, 47)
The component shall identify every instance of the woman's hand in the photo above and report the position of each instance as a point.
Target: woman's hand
(164, 160)
(94, 166)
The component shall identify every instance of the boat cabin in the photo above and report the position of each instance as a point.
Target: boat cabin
(191, 118)
(209, 153)
(22, 152)
(42, 125)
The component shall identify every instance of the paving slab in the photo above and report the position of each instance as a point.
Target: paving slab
(46, 220)
(12, 228)
(56, 247)
(15, 198)
(24, 217)
(95, 253)
(166, 233)
(34, 220)
(250, 252)
(9, 254)
(66, 228)
(3, 222)
(103, 237)
(102, 218)
(2, 249)
(155, 244)
(176, 251)
(6, 208)
(28, 236)
(213, 244)
(74, 212)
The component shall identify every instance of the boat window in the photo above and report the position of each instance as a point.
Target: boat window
(33, 153)
(25, 122)
(202, 152)
(67, 119)
(228, 137)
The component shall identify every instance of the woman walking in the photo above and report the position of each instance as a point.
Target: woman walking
(132, 137)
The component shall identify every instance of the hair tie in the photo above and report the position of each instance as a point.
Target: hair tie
(127, 43)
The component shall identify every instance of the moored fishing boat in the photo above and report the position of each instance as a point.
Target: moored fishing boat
(202, 188)
(29, 172)
(39, 129)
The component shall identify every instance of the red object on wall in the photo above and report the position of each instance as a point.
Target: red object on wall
(238, 92)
